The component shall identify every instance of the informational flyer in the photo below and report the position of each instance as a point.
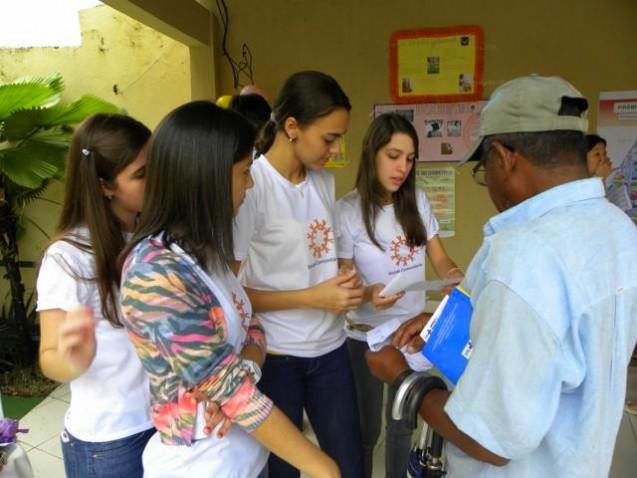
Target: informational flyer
(340, 160)
(617, 123)
(445, 130)
(440, 186)
(437, 64)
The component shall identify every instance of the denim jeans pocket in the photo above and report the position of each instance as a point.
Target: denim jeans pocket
(110, 459)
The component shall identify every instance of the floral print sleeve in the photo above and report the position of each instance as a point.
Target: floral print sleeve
(178, 329)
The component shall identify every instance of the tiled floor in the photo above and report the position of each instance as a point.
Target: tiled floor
(45, 422)
(42, 443)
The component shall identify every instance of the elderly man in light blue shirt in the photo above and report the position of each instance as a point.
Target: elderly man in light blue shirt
(554, 290)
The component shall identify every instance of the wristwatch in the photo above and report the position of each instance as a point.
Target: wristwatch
(254, 369)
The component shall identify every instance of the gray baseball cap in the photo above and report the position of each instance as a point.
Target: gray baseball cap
(529, 104)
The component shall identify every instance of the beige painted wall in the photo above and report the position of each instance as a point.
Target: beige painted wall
(589, 42)
(121, 61)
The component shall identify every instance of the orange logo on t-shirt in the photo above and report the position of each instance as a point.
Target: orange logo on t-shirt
(241, 309)
(401, 253)
(319, 236)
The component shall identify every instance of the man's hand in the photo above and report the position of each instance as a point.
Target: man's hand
(386, 364)
(409, 333)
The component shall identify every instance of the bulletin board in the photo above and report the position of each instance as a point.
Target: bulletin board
(437, 64)
(445, 130)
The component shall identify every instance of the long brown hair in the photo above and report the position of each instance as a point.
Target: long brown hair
(102, 146)
(371, 191)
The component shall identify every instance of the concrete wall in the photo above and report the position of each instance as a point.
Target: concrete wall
(121, 61)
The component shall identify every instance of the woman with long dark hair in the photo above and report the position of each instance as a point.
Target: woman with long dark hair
(188, 316)
(284, 236)
(386, 227)
(82, 339)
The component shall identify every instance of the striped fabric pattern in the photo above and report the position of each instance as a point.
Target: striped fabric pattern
(179, 331)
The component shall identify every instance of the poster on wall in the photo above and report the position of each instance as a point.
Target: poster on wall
(617, 123)
(440, 186)
(339, 160)
(436, 64)
(444, 129)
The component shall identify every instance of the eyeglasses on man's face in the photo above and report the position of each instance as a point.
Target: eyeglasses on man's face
(479, 171)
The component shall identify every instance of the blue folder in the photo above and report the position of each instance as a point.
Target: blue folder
(449, 346)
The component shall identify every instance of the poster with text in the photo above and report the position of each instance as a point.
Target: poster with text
(440, 186)
(436, 64)
(445, 130)
(617, 123)
(339, 160)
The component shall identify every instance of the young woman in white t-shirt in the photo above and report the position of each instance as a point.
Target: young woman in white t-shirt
(386, 227)
(82, 340)
(187, 314)
(285, 239)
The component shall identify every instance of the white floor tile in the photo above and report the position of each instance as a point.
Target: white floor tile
(25, 446)
(52, 446)
(378, 466)
(44, 422)
(47, 400)
(45, 465)
(62, 391)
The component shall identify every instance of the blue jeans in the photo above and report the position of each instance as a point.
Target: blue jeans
(109, 459)
(324, 387)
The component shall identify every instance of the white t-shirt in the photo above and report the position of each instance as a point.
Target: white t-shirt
(284, 234)
(111, 400)
(237, 454)
(380, 266)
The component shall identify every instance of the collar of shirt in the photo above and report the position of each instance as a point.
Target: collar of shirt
(542, 203)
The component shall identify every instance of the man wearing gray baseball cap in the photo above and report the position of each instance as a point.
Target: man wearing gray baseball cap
(554, 292)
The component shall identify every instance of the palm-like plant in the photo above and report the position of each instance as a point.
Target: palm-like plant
(35, 132)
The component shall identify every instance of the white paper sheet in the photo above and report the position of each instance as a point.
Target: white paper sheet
(426, 332)
(402, 282)
(379, 336)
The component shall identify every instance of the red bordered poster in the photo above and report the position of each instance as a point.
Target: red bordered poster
(433, 65)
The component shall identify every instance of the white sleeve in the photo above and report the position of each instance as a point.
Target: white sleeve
(343, 220)
(244, 225)
(426, 213)
(61, 283)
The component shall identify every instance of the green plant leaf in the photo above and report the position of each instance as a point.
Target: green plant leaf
(56, 137)
(21, 123)
(78, 110)
(29, 93)
(30, 164)
(21, 197)
(24, 122)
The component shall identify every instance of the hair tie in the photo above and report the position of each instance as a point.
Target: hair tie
(272, 118)
(85, 152)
